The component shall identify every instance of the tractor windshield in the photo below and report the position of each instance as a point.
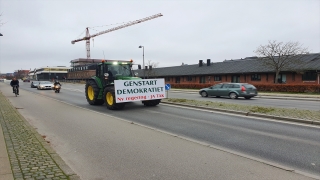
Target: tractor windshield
(121, 69)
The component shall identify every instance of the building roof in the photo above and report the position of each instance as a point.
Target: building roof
(238, 66)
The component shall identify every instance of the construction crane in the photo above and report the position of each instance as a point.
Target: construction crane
(88, 36)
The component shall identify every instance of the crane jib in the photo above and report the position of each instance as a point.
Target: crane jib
(113, 29)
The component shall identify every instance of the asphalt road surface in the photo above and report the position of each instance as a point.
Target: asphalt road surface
(294, 146)
(281, 103)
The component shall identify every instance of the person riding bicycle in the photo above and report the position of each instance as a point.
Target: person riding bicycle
(14, 82)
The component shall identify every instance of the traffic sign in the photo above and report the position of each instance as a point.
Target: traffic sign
(168, 86)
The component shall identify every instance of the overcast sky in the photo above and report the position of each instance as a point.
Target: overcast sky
(39, 33)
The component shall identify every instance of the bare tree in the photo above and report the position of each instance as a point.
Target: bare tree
(279, 55)
(1, 23)
(151, 72)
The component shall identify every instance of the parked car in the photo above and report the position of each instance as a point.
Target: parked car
(26, 80)
(34, 84)
(232, 90)
(45, 85)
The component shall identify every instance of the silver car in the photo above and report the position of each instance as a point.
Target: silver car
(45, 85)
(232, 90)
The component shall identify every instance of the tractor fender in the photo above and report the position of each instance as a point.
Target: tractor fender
(100, 86)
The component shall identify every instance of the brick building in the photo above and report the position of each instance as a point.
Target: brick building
(247, 70)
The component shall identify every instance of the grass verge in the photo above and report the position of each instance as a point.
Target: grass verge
(282, 112)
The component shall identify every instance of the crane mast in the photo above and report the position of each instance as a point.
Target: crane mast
(88, 36)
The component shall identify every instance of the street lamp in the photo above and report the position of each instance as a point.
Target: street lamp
(49, 72)
(144, 68)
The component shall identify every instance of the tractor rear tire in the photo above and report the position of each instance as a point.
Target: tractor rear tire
(110, 100)
(92, 93)
(151, 102)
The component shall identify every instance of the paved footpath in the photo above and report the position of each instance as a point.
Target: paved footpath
(24, 154)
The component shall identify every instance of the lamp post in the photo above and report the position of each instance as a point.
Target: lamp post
(49, 72)
(144, 68)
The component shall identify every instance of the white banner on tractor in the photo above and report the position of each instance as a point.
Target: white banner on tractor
(139, 90)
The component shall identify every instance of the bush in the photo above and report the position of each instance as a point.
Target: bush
(190, 86)
(297, 88)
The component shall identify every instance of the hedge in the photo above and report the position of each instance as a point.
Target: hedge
(297, 88)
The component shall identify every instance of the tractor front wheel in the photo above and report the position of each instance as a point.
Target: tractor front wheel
(92, 93)
(109, 97)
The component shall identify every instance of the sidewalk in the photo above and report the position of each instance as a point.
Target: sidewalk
(24, 154)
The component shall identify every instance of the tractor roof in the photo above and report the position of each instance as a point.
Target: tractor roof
(116, 62)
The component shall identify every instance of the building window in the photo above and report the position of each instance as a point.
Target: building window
(167, 78)
(177, 79)
(217, 78)
(282, 78)
(202, 79)
(255, 77)
(235, 78)
(189, 78)
(309, 76)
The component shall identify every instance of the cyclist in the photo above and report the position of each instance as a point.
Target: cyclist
(15, 82)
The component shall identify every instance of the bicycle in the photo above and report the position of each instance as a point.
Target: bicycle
(15, 90)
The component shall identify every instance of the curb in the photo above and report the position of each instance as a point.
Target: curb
(289, 98)
(288, 119)
(55, 157)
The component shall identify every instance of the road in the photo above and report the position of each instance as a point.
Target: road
(294, 146)
(281, 103)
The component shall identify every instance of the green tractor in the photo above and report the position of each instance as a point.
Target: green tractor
(100, 88)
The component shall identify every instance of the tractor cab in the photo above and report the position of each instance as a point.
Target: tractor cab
(108, 71)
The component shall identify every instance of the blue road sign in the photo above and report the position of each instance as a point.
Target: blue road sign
(168, 86)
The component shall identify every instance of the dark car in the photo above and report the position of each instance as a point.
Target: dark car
(34, 84)
(26, 80)
(232, 90)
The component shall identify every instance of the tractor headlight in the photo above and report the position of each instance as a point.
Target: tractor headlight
(106, 74)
